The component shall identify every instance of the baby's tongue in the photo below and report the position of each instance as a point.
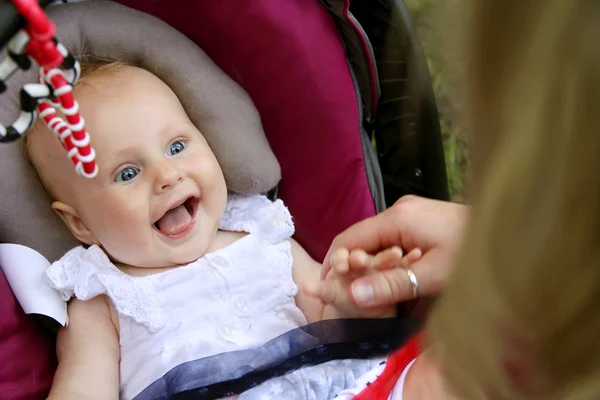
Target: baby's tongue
(175, 221)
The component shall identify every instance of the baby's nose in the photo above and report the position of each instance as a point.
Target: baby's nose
(167, 176)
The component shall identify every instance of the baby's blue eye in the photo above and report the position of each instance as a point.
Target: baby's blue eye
(127, 174)
(176, 148)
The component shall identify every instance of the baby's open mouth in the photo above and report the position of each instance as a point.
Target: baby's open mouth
(179, 218)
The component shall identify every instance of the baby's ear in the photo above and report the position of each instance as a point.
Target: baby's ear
(75, 224)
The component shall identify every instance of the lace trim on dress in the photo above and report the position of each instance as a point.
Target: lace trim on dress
(87, 273)
(259, 216)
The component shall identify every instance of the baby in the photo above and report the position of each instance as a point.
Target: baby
(171, 269)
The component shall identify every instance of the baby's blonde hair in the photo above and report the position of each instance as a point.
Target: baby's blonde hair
(89, 70)
(527, 285)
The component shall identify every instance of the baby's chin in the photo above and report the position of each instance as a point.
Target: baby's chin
(182, 257)
(182, 261)
(159, 256)
(176, 260)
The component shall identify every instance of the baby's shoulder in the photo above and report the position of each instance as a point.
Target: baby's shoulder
(259, 216)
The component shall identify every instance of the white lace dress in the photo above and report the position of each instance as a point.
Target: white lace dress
(235, 298)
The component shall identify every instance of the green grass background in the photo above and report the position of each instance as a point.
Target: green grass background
(426, 16)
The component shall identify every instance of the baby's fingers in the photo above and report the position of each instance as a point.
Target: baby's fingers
(359, 260)
(344, 262)
(413, 256)
(326, 291)
(387, 259)
(340, 260)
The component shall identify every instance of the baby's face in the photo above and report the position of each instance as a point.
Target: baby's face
(160, 192)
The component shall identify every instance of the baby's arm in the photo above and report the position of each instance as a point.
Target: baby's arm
(88, 353)
(305, 269)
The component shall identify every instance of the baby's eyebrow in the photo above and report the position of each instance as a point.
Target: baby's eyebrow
(177, 128)
(124, 152)
(109, 161)
(114, 157)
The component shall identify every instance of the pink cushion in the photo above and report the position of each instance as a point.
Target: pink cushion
(290, 59)
(27, 352)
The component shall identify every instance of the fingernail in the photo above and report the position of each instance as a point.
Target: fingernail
(363, 293)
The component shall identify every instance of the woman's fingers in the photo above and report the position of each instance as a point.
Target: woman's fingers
(394, 286)
(412, 222)
(386, 287)
(370, 235)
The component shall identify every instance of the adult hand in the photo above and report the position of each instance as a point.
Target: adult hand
(435, 227)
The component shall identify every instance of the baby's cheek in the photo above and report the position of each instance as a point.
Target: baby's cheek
(128, 247)
(123, 229)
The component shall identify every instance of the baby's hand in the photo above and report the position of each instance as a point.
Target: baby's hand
(334, 291)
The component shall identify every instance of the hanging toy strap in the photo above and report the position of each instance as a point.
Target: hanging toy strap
(59, 71)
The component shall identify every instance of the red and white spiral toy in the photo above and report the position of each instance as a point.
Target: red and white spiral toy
(59, 71)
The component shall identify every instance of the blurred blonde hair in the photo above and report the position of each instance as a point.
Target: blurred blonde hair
(526, 288)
